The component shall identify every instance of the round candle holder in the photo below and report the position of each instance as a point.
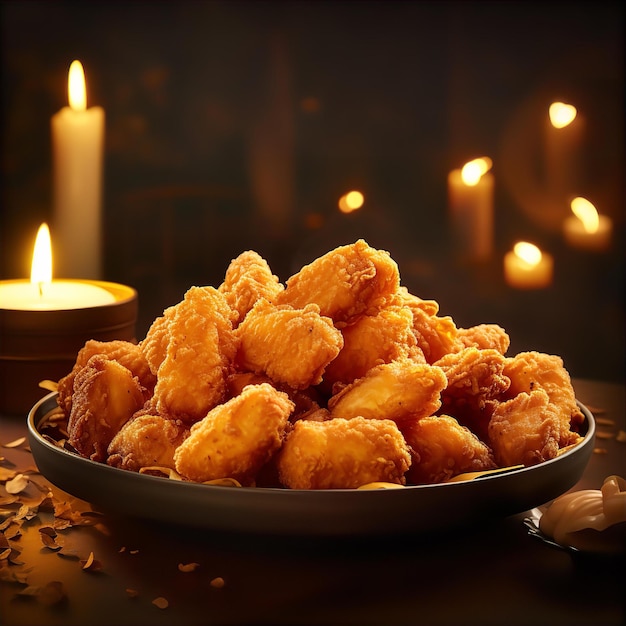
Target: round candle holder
(37, 345)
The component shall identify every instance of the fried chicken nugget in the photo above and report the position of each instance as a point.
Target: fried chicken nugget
(106, 395)
(485, 337)
(306, 401)
(343, 454)
(435, 335)
(535, 370)
(525, 430)
(442, 448)
(348, 281)
(398, 390)
(201, 348)
(125, 353)
(373, 340)
(146, 440)
(476, 382)
(403, 297)
(291, 346)
(236, 438)
(248, 279)
(154, 345)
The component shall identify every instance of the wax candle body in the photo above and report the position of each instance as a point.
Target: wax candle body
(576, 235)
(471, 216)
(563, 167)
(77, 145)
(520, 274)
(22, 295)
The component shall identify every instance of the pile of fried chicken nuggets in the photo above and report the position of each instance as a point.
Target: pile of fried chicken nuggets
(338, 379)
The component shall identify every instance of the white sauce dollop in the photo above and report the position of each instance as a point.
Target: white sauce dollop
(570, 515)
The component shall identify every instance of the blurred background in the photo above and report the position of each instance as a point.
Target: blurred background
(240, 125)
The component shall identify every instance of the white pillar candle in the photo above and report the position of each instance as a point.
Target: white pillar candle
(563, 153)
(470, 200)
(77, 147)
(527, 267)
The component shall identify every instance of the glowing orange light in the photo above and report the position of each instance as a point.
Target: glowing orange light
(41, 267)
(561, 114)
(586, 213)
(76, 89)
(474, 170)
(351, 201)
(528, 253)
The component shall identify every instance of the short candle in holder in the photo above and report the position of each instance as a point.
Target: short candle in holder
(586, 229)
(45, 322)
(527, 267)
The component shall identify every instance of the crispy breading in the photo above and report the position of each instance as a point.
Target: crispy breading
(535, 370)
(442, 448)
(146, 440)
(248, 279)
(525, 430)
(339, 363)
(398, 390)
(436, 336)
(343, 454)
(154, 345)
(201, 348)
(373, 340)
(403, 297)
(306, 401)
(236, 438)
(126, 353)
(485, 337)
(348, 281)
(291, 346)
(106, 395)
(476, 382)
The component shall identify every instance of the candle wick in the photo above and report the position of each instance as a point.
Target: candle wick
(40, 283)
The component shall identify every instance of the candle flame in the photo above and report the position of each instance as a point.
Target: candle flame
(474, 170)
(41, 268)
(527, 252)
(351, 201)
(76, 90)
(561, 114)
(586, 213)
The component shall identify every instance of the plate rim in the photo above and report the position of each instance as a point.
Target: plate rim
(321, 512)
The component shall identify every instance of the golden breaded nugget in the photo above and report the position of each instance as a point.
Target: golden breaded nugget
(484, 337)
(536, 370)
(348, 281)
(106, 395)
(373, 340)
(441, 448)
(146, 440)
(342, 454)
(476, 382)
(398, 390)
(200, 352)
(525, 430)
(125, 353)
(236, 438)
(154, 345)
(248, 279)
(291, 346)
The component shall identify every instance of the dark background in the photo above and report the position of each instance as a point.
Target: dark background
(236, 125)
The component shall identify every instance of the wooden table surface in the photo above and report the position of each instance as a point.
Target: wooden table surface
(495, 573)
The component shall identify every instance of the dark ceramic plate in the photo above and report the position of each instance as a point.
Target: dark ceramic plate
(340, 512)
